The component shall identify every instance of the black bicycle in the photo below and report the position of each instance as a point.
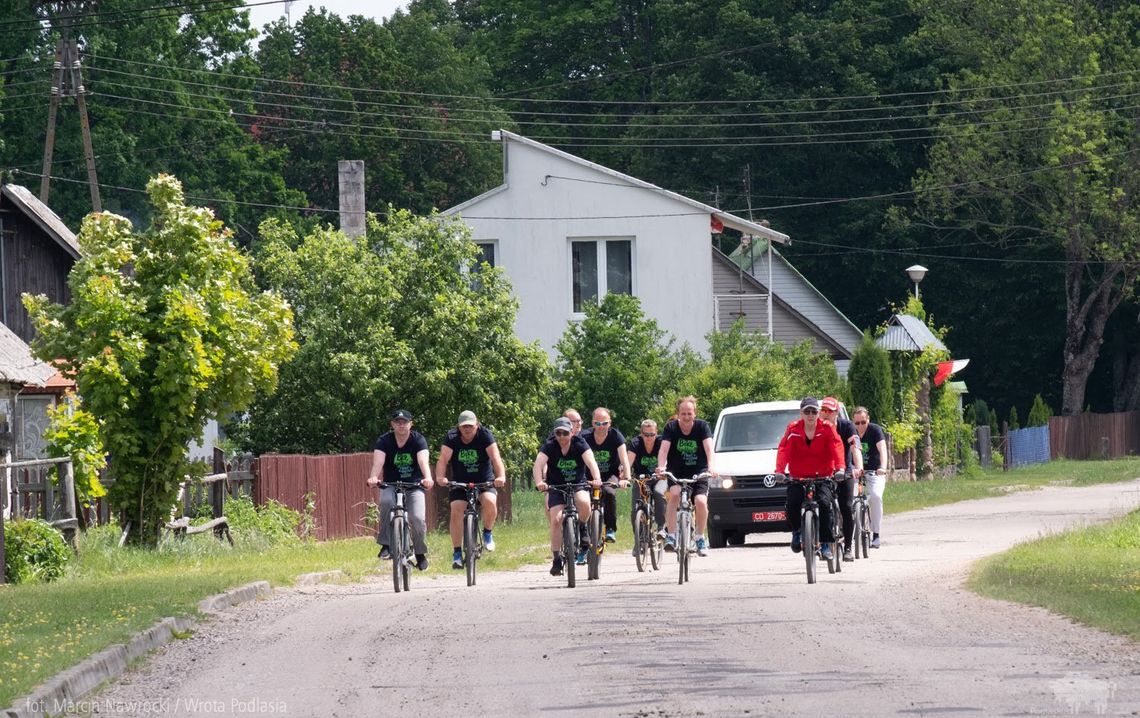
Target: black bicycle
(861, 514)
(472, 536)
(570, 531)
(647, 547)
(809, 525)
(686, 531)
(595, 533)
(400, 533)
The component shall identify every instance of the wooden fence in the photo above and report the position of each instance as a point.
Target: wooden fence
(1094, 436)
(340, 496)
(33, 494)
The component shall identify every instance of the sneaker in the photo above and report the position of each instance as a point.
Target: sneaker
(556, 567)
(457, 558)
(611, 535)
(848, 556)
(488, 541)
(875, 541)
(384, 554)
(797, 544)
(580, 559)
(421, 561)
(670, 543)
(662, 534)
(825, 552)
(702, 546)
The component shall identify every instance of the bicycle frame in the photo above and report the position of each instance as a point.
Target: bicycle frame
(686, 530)
(400, 536)
(474, 551)
(569, 529)
(645, 541)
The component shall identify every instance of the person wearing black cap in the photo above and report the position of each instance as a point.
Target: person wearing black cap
(402, 455)
(563, 460)
(810, 448)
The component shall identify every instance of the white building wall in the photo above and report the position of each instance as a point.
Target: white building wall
(672, 261)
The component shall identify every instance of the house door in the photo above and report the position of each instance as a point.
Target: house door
(31, 423)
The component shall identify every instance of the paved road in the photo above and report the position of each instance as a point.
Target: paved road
(895, 635)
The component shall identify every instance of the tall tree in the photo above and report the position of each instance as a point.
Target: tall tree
(1056, 172)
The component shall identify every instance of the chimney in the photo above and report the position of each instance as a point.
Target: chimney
(351, 176)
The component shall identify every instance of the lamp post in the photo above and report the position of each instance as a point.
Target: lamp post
(916, 272)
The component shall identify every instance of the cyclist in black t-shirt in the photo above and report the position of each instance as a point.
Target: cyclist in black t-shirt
(873, 441)
(401, 455)
(845, 489)
(687, 450)
(565, 460)
(643, 460)
(608, 446)
(471, 451)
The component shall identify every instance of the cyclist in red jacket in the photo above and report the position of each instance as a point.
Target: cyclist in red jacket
(810, 448)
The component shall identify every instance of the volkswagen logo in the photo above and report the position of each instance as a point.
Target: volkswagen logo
(769, 482)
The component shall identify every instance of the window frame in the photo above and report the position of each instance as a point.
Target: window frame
(602, 269)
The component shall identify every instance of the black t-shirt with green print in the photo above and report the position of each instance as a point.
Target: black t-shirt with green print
(643, 460)
(687, 456)
(400, 461)
(470, 462)
(568, 468)
(605, 451)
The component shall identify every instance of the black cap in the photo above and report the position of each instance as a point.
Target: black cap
(561, 423)
(809, 402)
(401, 414)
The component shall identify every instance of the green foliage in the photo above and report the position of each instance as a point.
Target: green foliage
(979, 413)
(1012, 421)
(869, 377)
(272, 524)
(746, 367)
(164, 331)
(1039, 413)
(950, 434)
(74, 432)
(617, 358)
(34, 551)
(394, 320)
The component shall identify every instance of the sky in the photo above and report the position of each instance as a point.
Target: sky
(377, 9)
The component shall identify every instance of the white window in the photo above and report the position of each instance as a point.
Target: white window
(598, 267)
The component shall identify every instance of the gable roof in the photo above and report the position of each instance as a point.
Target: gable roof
(908, 334)
(43, 216)
(728, 219)
(17, 365)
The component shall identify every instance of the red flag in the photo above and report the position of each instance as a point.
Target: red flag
(947, 368)
(717, 225)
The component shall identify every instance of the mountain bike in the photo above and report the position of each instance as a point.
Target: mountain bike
(809, 524)
(595, 532)
(570, 531)
(686, 531)
(403, 554)
(647, 548)
(861, 537)
(472, 536)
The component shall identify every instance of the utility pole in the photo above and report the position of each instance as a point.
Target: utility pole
(67, 81)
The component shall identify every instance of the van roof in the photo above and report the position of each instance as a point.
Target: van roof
(762, 406)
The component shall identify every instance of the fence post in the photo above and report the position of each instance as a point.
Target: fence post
(67, 482)
(1006, 450)
(1104, 448)
(3, 558)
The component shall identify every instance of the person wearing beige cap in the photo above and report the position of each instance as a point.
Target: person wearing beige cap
(473, 455)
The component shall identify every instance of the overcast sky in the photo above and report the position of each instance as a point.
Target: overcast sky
(377, 9)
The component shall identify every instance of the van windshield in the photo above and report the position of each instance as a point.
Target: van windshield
(754, 432)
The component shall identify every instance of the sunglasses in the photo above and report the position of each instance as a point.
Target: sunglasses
(562, 432)
(827, 411)
(860, 423)
(601, 423)
(809, 412)
(649, 434)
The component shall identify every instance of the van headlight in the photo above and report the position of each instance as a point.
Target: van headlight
(723, 482)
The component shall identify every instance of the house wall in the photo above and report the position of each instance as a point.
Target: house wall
(672, 267)
(31, 262)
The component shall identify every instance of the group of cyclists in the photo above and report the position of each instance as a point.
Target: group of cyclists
(573, 459)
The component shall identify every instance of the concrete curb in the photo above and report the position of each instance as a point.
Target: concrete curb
(312, 579)
(67, 688)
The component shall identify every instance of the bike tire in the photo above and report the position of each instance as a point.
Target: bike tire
(656, 549)
(594, 555)
(865, 538)
(837, 551)
(569, 548)
(397, 550)
(470, 548)
(683, 547)
(640, 539)
(857, 532)
(807, 537)
(406, 564)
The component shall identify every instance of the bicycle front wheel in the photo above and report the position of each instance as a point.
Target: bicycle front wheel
(406, 564)
(470, 547)
(684, 521)
(857, 532)
(865, 536)
(569, 547)
(594, 556)
(640, 539)
(397, 550)
(808, 538)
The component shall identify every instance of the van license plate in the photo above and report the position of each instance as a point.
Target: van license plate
(768, 515)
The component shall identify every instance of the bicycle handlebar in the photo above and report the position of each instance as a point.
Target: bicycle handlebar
(471, 484)
(401, 484)
(699, 477)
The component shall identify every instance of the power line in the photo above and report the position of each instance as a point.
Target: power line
(117, 16)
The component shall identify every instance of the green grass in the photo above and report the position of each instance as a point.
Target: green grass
(909, 495)
(111, 593)
(1090, 574)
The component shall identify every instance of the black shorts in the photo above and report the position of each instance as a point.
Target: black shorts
(460, 494)
(557, 498)
(699, 488)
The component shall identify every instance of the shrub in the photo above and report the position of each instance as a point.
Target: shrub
(273, 523)
(1039, 413)
(869, 377)
(34, 551)
(1013, 423)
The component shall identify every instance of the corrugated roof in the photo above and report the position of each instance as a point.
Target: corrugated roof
(908, 334)
(42, 215)
(17, 365)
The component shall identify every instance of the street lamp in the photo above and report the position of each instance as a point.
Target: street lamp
(916, 272)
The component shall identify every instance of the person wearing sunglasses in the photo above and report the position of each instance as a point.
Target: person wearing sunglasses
(686, 450)
(873, 441)
(608, 446)
(810, 448)
(565, 459)
(643, 452)
(853, 461)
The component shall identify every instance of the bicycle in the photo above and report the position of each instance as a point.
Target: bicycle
(861, 537)
(646, 546)
(686, 531)
(570, 532)
(472, 536)
(594, 532)
(809, 525)
(403, 553)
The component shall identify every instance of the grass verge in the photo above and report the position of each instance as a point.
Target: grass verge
(1090, 574)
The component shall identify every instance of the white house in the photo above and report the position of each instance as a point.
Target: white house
(564, 229)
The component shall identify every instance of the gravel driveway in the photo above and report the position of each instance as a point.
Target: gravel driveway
(895, 635)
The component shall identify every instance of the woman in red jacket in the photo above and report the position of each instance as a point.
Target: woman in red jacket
(810, 448)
